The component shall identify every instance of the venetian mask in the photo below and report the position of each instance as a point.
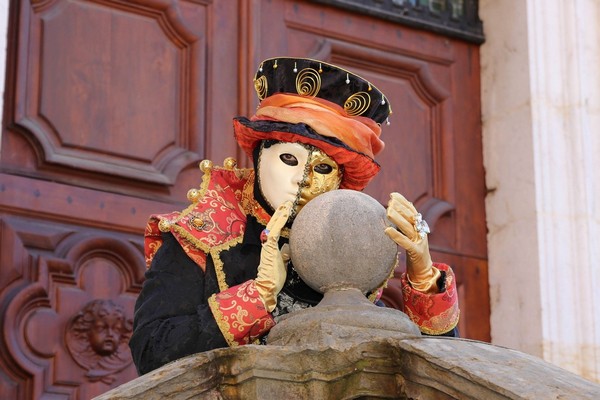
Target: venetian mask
(295, 172)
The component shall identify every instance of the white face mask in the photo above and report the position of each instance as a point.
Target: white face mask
(295, 172)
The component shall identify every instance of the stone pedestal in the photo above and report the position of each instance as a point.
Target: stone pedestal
(343, 318)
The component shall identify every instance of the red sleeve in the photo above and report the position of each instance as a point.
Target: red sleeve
(241, 314)
(435, 314)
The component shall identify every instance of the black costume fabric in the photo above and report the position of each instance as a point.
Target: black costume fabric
(172, 317)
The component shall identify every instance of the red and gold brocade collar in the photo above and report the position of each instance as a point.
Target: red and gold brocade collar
(216, 217)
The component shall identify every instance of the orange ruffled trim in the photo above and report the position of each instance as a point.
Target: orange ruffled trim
(328, 119)
(435, 314)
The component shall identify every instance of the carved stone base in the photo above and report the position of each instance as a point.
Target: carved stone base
(421, 367)
(342, 319)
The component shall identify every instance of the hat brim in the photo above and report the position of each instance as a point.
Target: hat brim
(358, 168)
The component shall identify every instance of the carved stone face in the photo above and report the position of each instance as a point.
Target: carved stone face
(295, 172)
(105, 333)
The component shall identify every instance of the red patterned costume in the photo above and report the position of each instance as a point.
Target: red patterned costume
(201, 288)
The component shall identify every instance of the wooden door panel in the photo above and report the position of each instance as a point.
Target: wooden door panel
(57, 271)
(110, 106)
(113, 88)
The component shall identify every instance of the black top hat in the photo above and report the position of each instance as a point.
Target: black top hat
(314, 78)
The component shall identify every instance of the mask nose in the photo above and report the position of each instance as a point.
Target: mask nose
(298, 177)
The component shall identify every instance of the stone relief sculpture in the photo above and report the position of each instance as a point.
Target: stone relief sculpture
(97, 339)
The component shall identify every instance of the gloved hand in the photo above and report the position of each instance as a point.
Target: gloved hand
(271, 270)
(421, 273)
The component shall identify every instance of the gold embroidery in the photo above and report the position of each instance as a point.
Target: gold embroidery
(221, 321)
(153, 247)
(212, 200)
(215, 252)
(237, 318)
(308, 82)
(420, 307)
(442, 323)
(191, 238)
(261, 86)
(249, 203)
(248, 293)
(313, 80)
(229, 205)
(357, 104)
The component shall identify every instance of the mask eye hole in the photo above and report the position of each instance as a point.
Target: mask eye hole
(323, 169)
(288, 159)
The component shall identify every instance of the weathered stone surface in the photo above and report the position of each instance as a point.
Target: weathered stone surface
(342, 319)
(414, 368)
(338, 240)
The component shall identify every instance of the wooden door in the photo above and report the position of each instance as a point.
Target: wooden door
(110, 105)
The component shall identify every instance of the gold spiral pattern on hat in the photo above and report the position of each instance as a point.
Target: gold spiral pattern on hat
(308, 82)
(357, 104)
(261, 86)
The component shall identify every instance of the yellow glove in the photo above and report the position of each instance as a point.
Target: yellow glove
(421, 273)
(271, 270)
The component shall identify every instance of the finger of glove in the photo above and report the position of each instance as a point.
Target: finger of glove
(418, 260)
(286, 253)
(271, 263)
(278, 221)
(399, 238)
(402, 205)
(403, 224)
(271, 270)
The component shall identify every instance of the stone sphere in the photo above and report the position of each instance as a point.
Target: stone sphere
(338, 241)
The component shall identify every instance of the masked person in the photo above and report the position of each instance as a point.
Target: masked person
(219, 274)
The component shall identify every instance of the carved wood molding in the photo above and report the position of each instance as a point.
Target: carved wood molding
(35, 198)
(97, 338)
(417, 72)
(56, 277)
(458, 19)
(93, 77)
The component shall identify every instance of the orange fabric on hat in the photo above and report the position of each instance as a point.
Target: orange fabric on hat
(359, 168)
(328, 119)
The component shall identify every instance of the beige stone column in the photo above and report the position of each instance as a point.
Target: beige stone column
(541, 132)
